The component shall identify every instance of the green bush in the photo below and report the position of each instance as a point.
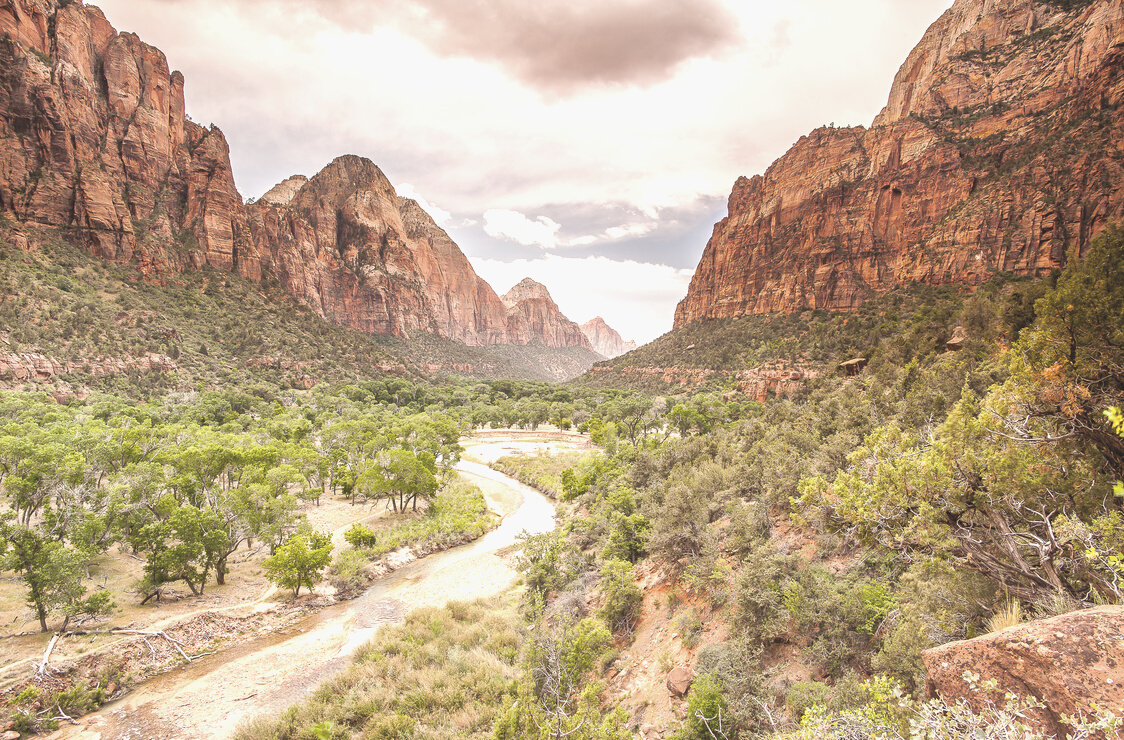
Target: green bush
(708, 715)
(359, 536)
(621, 597)
(804, 695)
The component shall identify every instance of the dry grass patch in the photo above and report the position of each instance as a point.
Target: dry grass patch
(444, 673)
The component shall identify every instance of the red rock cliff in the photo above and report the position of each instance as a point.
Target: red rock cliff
(532, 315)
(94, 140)
(349, 247)
(999, 150)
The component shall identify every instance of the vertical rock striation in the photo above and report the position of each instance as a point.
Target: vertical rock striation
(532, 315)
(346, 245)
(94, 139)
(998, 151)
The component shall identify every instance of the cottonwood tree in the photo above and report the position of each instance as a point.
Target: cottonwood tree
(184, 543)
(300, 561)
(51, 570)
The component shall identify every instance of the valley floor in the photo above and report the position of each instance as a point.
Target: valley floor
(286, 652)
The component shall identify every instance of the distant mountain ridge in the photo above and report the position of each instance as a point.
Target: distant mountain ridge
(95, 140)
(998, 151)
(532, 315)
(605, 339)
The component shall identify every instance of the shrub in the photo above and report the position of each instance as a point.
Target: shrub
(690, 628)
(360, 536)
(708, 716)
(804, 695)
(622, 598)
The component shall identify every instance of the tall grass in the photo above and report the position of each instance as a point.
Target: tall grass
(541, 472)
(1008, 615)
(457, 515)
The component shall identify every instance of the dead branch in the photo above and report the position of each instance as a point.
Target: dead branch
(62, 715)
(42, 668)
(145, 633)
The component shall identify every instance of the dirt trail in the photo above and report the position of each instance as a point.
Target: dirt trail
(208, 698)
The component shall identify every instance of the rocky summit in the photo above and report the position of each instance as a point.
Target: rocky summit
(346, 245)
(605, 339)
(998, 151)
(533, 316)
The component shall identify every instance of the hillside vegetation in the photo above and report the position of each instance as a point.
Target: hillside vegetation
(799, 556)
(912, 323)
(216, 328)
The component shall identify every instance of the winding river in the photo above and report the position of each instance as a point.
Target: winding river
(207, 698)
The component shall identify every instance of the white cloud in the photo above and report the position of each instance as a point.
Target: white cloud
(513, 225)
(635, 298)
(440, 215)
(631, 230)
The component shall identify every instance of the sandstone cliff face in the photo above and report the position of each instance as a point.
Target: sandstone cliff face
(346, 245)
(533, 316)
(605, 340)
(999, 150)
(94, 140)
(283, 192)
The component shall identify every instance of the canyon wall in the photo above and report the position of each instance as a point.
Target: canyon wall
(1000, 150)
(95, 142)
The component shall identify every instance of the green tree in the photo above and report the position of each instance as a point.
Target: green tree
(51, 571)
(622, 598)
(1030, 512)
(1072, 360)
(184, 543)
(301, 561)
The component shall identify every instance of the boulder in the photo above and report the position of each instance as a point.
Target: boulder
(1069, 662)
(679, 681)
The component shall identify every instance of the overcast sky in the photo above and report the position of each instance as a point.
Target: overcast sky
(588, 144)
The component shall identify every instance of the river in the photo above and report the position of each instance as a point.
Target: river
(207, 698)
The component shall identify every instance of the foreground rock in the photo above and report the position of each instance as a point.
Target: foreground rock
(998, 151)
(1069, 662)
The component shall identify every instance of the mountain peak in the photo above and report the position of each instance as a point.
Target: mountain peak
(605, 340)
(526, 290)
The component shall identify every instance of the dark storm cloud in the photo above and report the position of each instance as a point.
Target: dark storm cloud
(556, 45)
